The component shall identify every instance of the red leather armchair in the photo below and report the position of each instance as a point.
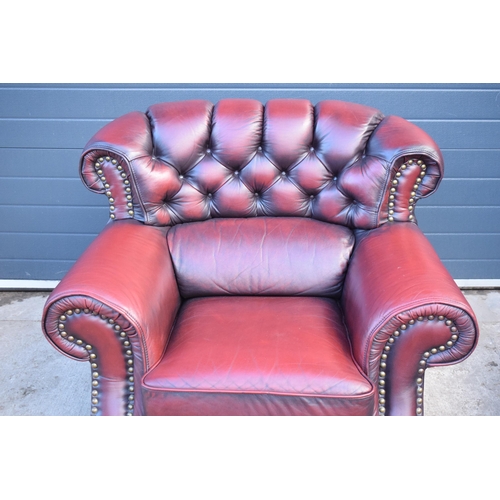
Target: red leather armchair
(260, 260)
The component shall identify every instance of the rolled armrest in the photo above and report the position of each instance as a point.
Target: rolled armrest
(116, 308)
(414, 166)
(127, 137)
(106, 164)
(404, 312)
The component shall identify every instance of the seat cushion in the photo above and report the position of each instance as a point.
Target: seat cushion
(260, 256)
(258, 356)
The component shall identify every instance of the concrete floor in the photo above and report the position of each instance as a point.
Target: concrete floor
(35, 379)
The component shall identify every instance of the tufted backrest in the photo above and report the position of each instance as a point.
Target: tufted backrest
(188, 161)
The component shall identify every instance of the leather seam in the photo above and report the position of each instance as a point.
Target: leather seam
(365, 395)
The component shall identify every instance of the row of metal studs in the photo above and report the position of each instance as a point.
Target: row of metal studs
(93, 358)
(422, 363)
(123, 175)
(395, 182)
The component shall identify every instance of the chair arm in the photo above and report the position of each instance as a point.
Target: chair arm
(404, 312)
(106, 164)
(115, 308)
(414, 166)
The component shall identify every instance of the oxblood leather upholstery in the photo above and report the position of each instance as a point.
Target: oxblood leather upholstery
(260, 260)
(260, 256)
(293, 360)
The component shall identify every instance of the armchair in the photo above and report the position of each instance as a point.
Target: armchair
(260, 260)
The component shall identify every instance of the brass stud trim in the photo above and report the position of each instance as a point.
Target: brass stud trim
(127, 354)
(395, 182)
(422, 364)
(103, 165)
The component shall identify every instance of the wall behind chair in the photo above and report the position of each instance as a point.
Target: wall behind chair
(48, 218)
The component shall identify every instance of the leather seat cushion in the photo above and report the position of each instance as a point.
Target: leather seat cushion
(260, 256)
(258, 356)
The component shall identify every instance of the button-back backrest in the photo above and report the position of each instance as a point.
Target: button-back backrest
(336, 161)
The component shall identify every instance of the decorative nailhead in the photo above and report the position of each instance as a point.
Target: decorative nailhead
(111, 199)
(422, 365)
(393, 190)
(127, 352)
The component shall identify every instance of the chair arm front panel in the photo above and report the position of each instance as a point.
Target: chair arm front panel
(106, 163)
(404, 313)
(414, 164)
(115, 308)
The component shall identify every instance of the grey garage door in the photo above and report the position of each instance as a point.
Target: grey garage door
(47, 217)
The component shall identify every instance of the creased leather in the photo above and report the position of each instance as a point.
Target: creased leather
(292, 352)
(394, 270)
(260, 256)
(127, 268)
